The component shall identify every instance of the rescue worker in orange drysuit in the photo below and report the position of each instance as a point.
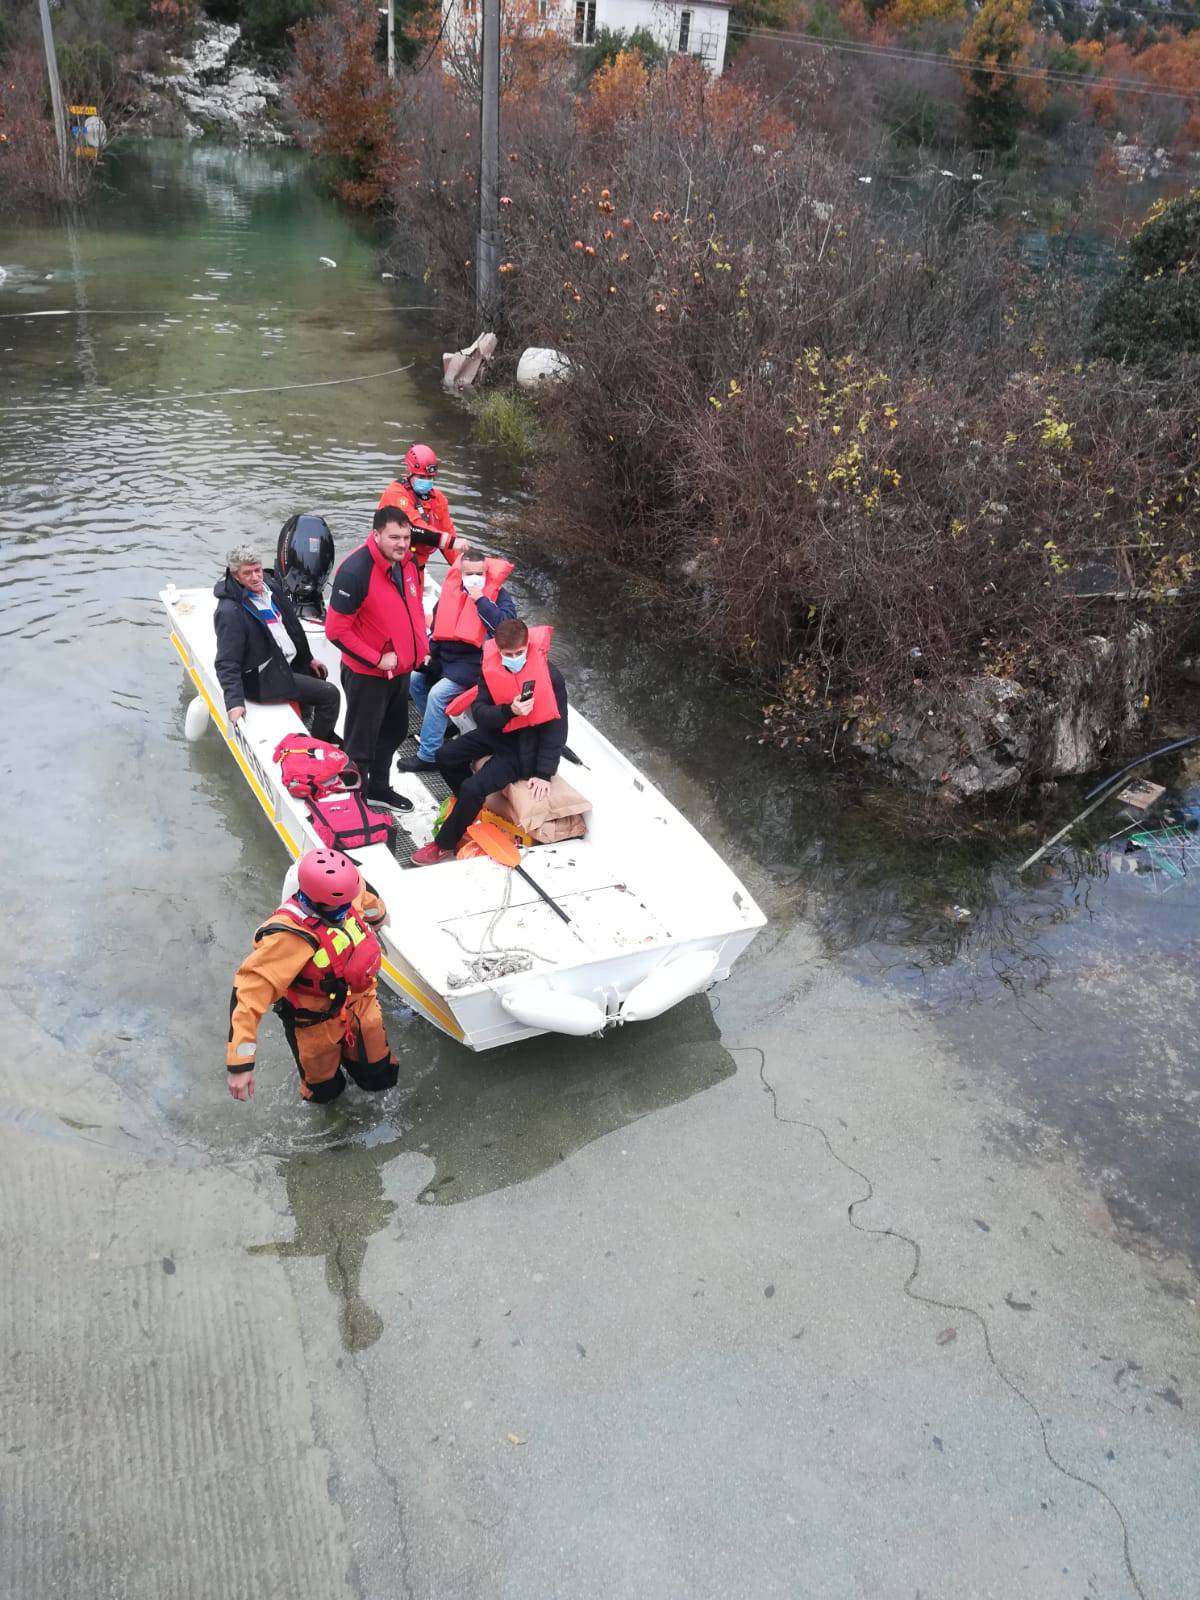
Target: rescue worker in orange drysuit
(426, 507)
(314, 961)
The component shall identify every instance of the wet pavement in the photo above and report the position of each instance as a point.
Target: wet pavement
(872, 1274)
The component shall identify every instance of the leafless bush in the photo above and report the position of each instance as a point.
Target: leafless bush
(30, 170)
(859, 434)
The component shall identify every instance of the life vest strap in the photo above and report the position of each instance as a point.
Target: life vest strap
(310, 939)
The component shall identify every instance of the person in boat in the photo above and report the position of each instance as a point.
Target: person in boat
(472, 605)
(520, 711)
(377, 620)
(315, 962)
(263, 653)
(426, 507)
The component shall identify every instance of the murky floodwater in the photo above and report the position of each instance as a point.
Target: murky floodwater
(140, 863)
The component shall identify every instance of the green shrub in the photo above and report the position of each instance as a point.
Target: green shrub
(89, 71)
(1151, 313)
(506, 421)
(609, 43)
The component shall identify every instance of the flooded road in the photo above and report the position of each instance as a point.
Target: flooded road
(632, 1256)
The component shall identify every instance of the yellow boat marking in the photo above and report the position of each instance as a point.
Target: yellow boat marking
(436, 1012)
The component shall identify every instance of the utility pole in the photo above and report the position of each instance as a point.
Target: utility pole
(487, 246)
(391, 38)
(56, 99)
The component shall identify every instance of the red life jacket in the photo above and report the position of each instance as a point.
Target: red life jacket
(431, 514)
(457, 616)
(504, 686)
(345, 958)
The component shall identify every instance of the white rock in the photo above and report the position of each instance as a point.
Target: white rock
(214, 47)
(538, 366)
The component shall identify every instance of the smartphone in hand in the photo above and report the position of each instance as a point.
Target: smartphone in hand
(527, 689)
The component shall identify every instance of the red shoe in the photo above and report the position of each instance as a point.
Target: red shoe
(430, 855)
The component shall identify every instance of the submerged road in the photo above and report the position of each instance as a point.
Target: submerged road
(871, 1276)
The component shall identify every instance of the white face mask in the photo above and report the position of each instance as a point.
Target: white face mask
(473, 583)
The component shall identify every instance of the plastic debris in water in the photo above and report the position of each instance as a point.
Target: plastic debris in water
(1142, 794)
(327, 261)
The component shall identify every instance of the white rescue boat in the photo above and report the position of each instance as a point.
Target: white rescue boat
(655, 913)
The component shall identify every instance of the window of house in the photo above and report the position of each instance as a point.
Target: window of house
(685, 28)
(585, 21)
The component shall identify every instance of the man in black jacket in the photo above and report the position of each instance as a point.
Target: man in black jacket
(262, 650)
(513, 657)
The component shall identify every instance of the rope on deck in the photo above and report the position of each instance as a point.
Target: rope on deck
(502, 961)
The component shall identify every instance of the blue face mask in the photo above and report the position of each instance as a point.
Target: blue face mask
(422, 485)
(515, 663)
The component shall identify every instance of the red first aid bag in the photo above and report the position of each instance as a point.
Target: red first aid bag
(345, 822)
(313, 767)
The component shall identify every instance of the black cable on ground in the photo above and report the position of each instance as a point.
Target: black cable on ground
(943, 1305)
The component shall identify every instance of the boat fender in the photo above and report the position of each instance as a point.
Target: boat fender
(538, 1006)
(670, 982)
(196, 719)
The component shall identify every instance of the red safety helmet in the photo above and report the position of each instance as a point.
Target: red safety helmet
(328, 878)
(420, 462)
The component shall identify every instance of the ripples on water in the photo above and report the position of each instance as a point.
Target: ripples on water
(141, 863)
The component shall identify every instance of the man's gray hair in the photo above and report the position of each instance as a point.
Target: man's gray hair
(242, 555)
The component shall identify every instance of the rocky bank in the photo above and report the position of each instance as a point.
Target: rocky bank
(215, 88)
(991, 735)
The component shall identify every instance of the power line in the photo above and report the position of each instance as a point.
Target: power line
(212, 394)
(929, 58)
(437, 41)
(89, 311)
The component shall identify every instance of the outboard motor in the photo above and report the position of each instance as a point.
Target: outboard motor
(303, 562)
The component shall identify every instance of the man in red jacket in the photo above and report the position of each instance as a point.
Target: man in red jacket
(426, 507)
(377, 621)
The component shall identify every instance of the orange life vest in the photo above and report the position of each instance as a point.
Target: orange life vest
(431, 514)
(504, 686)
(345, 957)
(456, 616)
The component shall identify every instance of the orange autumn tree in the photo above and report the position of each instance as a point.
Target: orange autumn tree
(1174, 63)
(531, 46)
(726, 109)
(617, 91)
(998, 38)
(906, 14)
(346, 99)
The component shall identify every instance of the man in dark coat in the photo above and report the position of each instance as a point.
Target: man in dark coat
(263, 653)
(522, 735)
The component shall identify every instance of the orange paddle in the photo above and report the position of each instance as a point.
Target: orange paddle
(494, 842)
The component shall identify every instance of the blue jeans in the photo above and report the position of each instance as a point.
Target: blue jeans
(431, 708)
